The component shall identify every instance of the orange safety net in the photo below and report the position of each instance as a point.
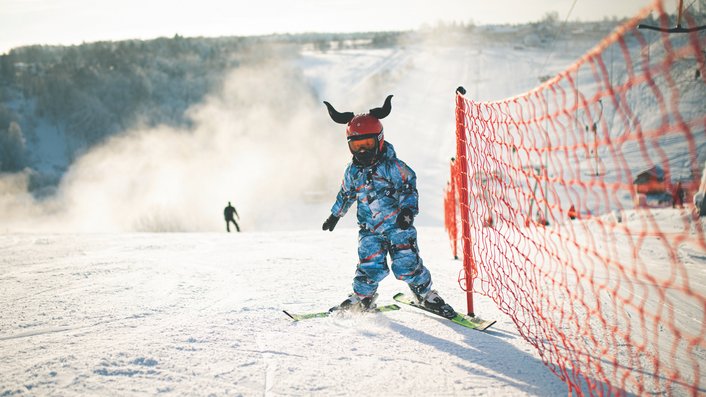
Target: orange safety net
(575, 210)
(450, 208)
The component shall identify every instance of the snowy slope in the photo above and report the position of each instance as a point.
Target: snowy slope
(200, 314)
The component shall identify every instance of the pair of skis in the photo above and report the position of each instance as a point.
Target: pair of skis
(460, 319)
(306, 316)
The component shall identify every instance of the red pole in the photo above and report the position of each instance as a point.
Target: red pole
(463, 195)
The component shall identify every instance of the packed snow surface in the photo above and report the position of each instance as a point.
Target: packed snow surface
(201, 314)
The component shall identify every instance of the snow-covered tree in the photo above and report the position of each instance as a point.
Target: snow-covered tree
(12, 148)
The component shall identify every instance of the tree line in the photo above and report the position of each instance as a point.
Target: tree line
(94, 90)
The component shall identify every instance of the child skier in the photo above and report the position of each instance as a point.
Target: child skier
(385, 190)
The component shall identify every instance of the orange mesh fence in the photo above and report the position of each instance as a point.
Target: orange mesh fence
(576, 212)
(450, 211)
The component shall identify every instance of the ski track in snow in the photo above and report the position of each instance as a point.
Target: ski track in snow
(195, 314)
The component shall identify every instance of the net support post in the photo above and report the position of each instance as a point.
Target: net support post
(463, 195)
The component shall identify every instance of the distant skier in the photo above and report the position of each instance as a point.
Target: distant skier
(385, 190)
(228, 213)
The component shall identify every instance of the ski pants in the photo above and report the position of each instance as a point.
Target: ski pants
(407, 265)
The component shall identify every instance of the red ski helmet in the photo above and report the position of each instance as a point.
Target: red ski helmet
(363, 126)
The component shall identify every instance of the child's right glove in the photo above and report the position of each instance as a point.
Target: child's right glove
(405, 218)
(330, 223)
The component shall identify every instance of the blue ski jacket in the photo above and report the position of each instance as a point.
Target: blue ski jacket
(381, 191)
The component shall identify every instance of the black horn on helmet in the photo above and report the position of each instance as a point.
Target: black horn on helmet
(384, 111)
(340, 118)
(364, 132)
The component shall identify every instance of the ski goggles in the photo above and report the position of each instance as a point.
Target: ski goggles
(363, 143)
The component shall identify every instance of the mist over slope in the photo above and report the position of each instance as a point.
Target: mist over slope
(261, 138)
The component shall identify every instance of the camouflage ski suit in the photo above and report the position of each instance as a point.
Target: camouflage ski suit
(381, 191)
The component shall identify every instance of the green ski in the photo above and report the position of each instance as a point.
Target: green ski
(460, 319)
(306, 316)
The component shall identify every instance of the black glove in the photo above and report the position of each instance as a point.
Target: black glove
(405, 218)
(330, 223)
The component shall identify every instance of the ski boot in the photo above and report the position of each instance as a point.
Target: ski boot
(356, 303)
(435, 303)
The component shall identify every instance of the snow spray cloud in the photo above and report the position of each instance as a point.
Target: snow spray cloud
(16, 203)
(262, 142)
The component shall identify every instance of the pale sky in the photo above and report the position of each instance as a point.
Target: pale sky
(24, 22)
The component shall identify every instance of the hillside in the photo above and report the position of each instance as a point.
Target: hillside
(244, 105)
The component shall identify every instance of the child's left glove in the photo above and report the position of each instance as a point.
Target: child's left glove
(405, 218)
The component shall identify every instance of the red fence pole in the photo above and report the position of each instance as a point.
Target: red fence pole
(462, 162)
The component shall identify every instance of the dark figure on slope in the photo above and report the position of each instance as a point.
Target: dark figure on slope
(228, 213)
(385, 191)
